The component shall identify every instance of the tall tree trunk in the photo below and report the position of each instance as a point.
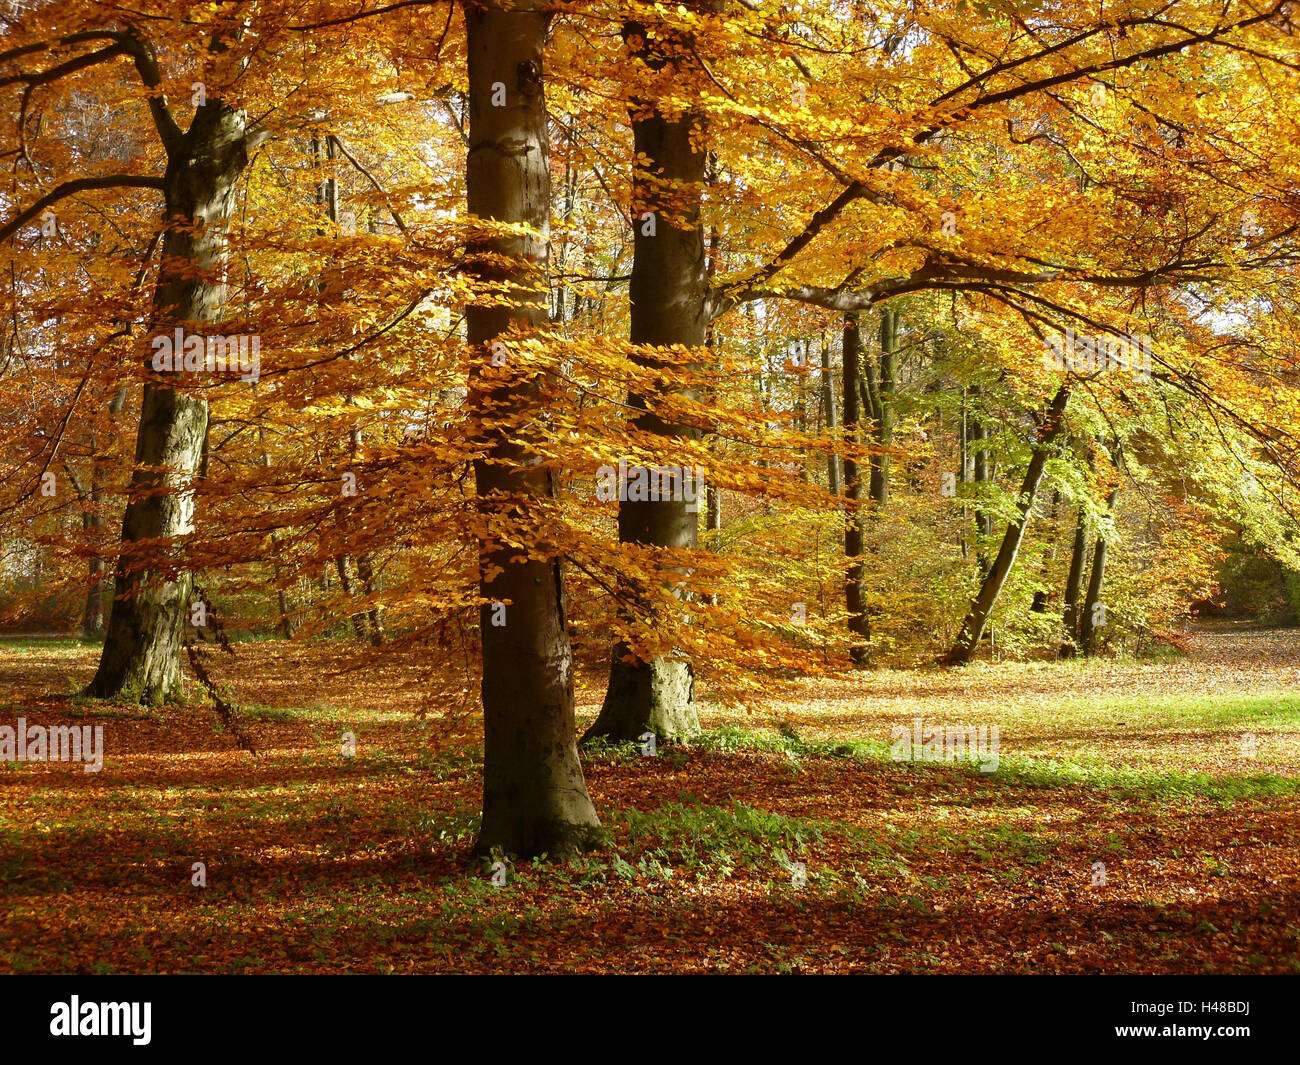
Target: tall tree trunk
(1074, 584)
(343, 563)
(369, 585)
(92, 522)
(330, 287)
(366, 562)
(141, 655)
(854, 597)
(1087, 625)
(712, 492)
(830, 415)
(876, 390)
(963, 457)
(282, 596)
(979, 436)
(286, 618)
(92, 619)
(712, 527)
(534, 796)
(963, 650)
(668, 290)
(880, 397)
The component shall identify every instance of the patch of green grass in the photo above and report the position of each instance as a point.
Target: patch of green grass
(1267, 711)
(261, 712)
(1151, 782)
(44, 644)
(1271, 709)
(715, 838)
(787, 741)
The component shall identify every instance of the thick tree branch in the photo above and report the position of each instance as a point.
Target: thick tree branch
(71, 188)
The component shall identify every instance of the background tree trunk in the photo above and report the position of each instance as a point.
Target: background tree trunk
(835, 484)
(343, 563)
(1074, 585)
(880, 393)
(979, 436)
(854, 598)
(282, 596)
(534, 795)
(1087, 625)
(668, 290)
(1039, 604)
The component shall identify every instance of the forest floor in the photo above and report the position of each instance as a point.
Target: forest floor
(1181, 776)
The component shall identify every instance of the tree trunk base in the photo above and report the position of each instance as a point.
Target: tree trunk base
(147, 684)
(655, 696)
(550, 834)
(958, 656)
(141, 658)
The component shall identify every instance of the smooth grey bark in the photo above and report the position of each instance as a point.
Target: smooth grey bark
(668, 292)
(876, 381)
(570, 203)
(981, 608)
(286, 619)
(93, 621)
(534, 796)
(366, 560)
(92, 618)
(141, 654)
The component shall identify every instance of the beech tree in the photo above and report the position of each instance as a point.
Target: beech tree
(141, 655)
(668, 306)
(534, 796)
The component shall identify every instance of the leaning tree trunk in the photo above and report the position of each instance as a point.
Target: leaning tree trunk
(668, 291)
(534, 796)
(1087, 622)
(859, 625)
(141, 656)
(981, 607)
